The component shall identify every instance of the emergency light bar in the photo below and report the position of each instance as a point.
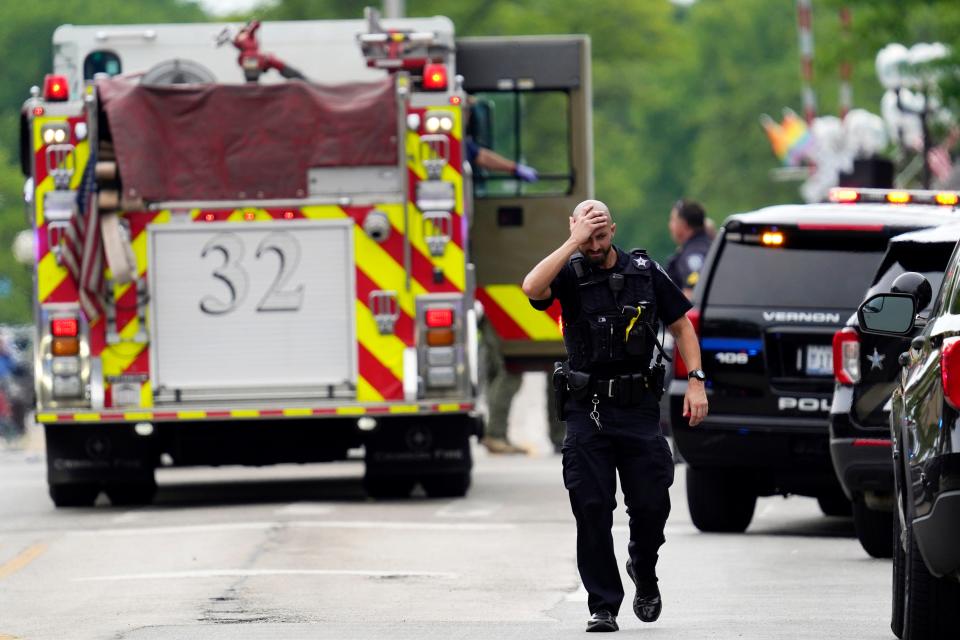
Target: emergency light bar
(847, 195)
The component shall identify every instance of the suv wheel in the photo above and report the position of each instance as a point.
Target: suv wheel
(929, 610)
(834, 503)
(388, 486)
(447, 485)
(873, 529)
(76, 494)
(720, 500)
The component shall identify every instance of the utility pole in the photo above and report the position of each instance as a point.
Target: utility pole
(805, 30)
(394, 8)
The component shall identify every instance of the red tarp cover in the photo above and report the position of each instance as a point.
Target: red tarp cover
(224, 142)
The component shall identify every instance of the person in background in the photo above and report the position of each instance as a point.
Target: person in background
(502, 384)
(687, 228)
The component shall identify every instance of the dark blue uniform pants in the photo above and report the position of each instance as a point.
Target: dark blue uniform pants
(629, 442)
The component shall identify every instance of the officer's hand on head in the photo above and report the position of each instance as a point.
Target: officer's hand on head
(695, 403)
(583, 227)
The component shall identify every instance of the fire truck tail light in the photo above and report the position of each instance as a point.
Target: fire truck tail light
(434, 77)
(65, 346)
(55, 88)
(442, 317)
(950, 371)
(440, 337)
(64, 327)
(846, 356)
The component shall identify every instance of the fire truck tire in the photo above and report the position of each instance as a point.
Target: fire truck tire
(130, 494)
(388, 486)
(74, 494)
(446, 485)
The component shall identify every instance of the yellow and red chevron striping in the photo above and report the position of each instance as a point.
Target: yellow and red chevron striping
(513, 318)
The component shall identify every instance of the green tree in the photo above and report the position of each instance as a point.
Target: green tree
(25, 39)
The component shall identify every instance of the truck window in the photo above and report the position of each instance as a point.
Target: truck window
(530, 127)
(101, 62)
(798, 276)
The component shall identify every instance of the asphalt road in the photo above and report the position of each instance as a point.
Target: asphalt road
(298, 552)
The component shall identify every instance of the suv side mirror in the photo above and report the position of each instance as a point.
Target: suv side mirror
(891, 314)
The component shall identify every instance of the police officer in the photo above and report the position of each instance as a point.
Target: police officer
(613, 302)
(687, 228)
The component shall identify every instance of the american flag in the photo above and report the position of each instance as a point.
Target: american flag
(83, 246)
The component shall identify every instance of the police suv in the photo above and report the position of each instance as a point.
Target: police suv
(775, 287)
(865, 368)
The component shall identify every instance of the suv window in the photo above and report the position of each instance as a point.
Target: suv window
(757, 275)
(927, 259)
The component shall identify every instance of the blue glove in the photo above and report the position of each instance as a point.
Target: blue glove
(525, 173)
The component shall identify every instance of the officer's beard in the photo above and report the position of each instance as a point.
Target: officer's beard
(600, 258)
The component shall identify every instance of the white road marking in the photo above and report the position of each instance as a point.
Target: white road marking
(244, 573)
(131, 516)
(405, 526)
(305, 509)
(461, 509)
(305, 524)
(191, 529)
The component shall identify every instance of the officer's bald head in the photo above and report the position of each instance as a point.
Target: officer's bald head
(592, 205)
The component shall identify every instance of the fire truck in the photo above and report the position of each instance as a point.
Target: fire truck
(279, 255)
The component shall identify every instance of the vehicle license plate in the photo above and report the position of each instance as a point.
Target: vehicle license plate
(819, 360)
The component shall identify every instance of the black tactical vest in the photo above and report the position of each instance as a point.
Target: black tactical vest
(618, 315)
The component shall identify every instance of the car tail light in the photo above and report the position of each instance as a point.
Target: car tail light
(679, 366)
(55, 88)
(434, 77)
(950, 371)
(846, 356)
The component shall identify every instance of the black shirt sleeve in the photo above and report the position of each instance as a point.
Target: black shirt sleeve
(559, 290)
(671, 303)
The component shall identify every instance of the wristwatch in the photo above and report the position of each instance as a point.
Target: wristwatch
(698, 374)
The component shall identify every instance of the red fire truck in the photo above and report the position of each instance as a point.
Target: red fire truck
(278, 260)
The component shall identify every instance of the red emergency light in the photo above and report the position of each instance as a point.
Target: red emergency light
(55, 88)
(442, 317)
(64, 327)
(434, 77)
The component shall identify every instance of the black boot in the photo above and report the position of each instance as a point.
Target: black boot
(646, 602)
(602, 620)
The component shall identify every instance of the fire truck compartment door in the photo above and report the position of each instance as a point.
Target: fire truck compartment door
(252, 310)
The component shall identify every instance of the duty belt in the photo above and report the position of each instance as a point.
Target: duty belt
(626, 389)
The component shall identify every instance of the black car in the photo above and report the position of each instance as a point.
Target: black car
(925, 429)
(775, 287)
(865, 367)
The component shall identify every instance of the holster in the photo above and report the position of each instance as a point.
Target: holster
(560, 392)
